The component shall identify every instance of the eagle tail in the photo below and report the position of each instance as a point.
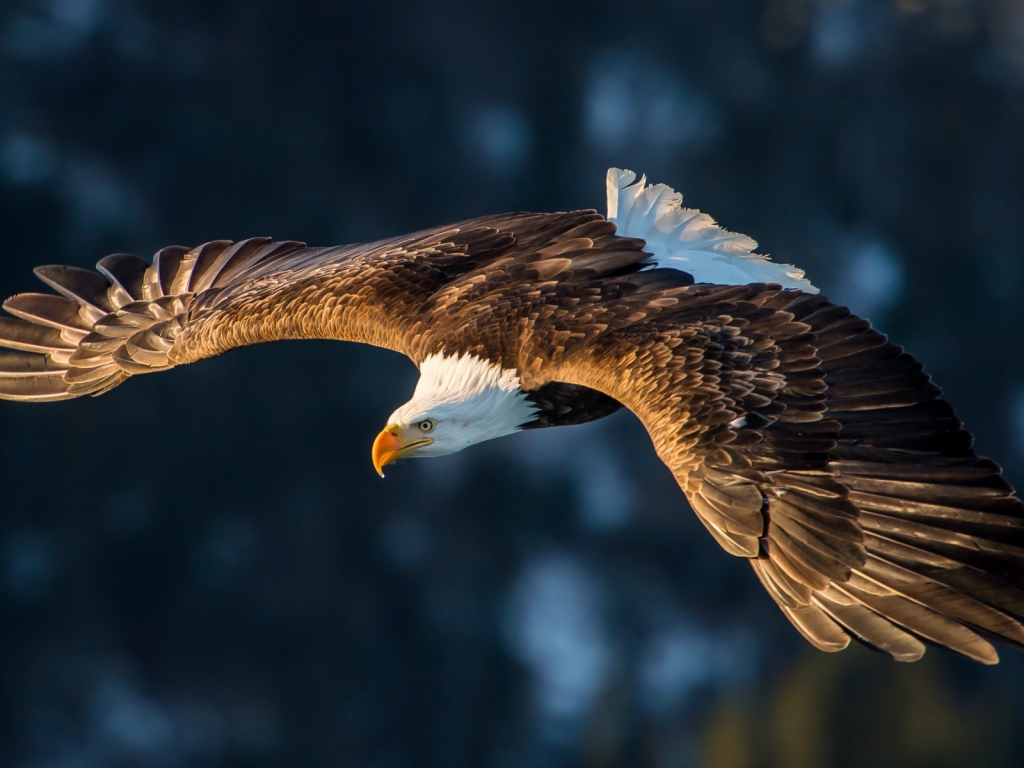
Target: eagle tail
(105, 326)
(688, 240)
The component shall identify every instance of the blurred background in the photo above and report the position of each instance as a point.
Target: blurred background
(202, 569)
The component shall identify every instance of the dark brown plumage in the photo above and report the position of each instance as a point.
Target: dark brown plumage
(804, 440)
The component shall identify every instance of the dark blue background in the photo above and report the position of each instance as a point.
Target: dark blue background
(202, 569)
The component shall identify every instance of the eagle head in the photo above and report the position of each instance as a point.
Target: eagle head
(460, 400)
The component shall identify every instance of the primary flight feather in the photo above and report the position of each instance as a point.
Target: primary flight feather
(805, 441)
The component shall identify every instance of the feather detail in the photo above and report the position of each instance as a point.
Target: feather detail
(688, 240)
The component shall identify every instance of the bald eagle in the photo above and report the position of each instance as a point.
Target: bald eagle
(805, 441)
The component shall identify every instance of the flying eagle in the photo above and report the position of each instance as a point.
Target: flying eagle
(805, 441)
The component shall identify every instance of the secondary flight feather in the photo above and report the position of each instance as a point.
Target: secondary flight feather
(805, 441)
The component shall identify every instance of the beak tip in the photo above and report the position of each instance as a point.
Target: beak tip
(386, 449)
(390, 446)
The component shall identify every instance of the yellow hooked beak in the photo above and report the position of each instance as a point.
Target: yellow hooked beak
(391, 445)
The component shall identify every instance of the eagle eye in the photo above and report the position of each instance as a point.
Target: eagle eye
(426, 425)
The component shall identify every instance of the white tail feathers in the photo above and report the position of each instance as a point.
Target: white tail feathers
(688, 240)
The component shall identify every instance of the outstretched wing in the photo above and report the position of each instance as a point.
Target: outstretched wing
(808, 443)
(133, 317)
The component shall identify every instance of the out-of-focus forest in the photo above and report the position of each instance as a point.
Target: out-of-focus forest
(202, 569)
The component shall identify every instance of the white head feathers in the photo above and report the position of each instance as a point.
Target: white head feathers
(469, 399)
